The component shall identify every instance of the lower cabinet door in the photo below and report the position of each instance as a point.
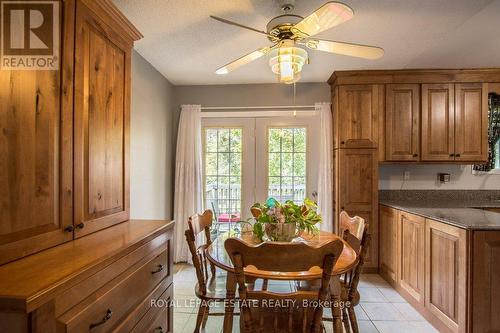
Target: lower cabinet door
(445, 274)
(388, 256)
(412, 260)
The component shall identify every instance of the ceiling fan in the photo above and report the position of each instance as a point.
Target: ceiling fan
(292, 34)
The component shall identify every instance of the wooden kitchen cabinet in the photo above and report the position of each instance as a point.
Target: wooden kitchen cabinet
(446, 273)
(471, 122)
(455, 122)
(36, 190)
(356, 192)
(389, 244)
(102, 115)
(412, 255)
(357, 114)
(402, 122)
(438, 122)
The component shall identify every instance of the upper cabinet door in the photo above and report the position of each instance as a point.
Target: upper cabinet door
(402, 120)
(471, 122)
(358, 112)
(36, 153)
(438, 122)
(102, 83)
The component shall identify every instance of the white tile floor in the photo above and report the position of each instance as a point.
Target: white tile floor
(381, 310)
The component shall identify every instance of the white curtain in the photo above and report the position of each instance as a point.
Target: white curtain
(325, 165)
(188, 177)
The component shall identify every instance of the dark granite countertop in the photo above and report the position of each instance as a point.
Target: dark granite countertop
(462, 210)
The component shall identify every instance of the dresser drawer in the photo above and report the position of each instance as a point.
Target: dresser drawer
(112, 303)
(157, 319)
(83, 289)
(148, 309)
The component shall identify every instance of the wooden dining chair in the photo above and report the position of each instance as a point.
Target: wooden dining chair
(210, 288)
(355, 233)
(254, 260)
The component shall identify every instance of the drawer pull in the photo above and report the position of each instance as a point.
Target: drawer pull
(159, 329)
(158, 270)
(107, 317)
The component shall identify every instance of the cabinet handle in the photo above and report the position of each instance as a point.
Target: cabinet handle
(158, 270)
(159, 329)
(457, 155)
(451, 155)
(80, 225)
(415, 155)
(106, 317)
(69, 228)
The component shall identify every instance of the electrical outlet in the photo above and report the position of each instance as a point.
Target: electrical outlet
(406, 175)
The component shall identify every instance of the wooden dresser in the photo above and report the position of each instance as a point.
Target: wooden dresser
(71, 259)
(104, 282)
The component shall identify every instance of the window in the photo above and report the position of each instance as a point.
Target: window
(247, 160)
(223, 156)
(287, 164)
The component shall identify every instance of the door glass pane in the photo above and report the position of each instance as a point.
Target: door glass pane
(222, 171)
(287, 163)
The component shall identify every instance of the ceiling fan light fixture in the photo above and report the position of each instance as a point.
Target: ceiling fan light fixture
(287, 61)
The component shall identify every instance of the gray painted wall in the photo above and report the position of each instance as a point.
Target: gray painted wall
(151, 146)
(250, 95)
(425, 177)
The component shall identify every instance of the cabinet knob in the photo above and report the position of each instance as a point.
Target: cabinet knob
(158, 269)
(104, 319)
(451, 155)
(457, 155)
(69, 228)
(415, 155)
(342, 142)
(80, 225)
(342, 208)
(159, 329)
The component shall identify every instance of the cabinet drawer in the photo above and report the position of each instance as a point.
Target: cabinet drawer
(147, 310)
(158, 319)
(83, 289)
(112, 303)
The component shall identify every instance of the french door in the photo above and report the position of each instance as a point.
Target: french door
(246, 160)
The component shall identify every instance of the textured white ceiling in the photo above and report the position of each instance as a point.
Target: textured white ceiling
(186, 46)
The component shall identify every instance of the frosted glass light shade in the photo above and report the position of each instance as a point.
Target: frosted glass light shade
(287, 62)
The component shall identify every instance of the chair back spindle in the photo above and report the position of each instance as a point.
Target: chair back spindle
(198, 224)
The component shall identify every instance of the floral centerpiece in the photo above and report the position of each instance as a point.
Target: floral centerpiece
(283, 222)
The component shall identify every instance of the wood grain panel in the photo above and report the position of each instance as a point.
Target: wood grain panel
(445, 274)
(402, 122)
(412, 260)
(35, 145)
(360, 111)
(485, 288)
(471, 122)
(388, 236)
(438, 122)
(102, 83)
(357, 191)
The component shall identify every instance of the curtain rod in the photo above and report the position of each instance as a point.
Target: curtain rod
(257, 107)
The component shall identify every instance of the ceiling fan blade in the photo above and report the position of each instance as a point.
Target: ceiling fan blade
(327, 16)
(237, 24)
(244, 60)
(349, 49)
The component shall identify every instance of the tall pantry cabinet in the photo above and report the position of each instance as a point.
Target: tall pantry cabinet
(64, 135)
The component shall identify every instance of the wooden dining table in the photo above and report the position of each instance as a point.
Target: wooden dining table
(217, 255)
